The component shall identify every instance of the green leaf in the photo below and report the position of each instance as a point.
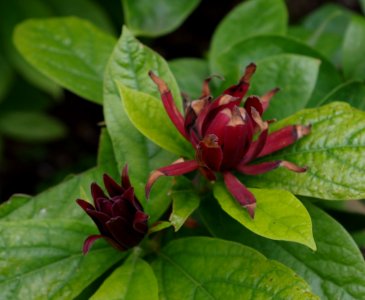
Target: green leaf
(106, 156)
(133, 280)
(149, 116)
(36, 254)
(6, 75)
(31, 126)
(155, 18)
(232, 62)
(333, 151)
(190, 74)
(296, 76)
(70, 51)
(362, 4)
(335, 271)
(15, 201)
(206, 268)
(359, 238)
(353, 49)
(254, 17)
(129, 64)
(185, 201)
(352, 92)
(279, 215)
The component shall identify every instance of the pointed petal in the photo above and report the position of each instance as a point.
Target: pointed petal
(283, 138)
(140, 222)
(207, 173)
(85, 205)
(179, 167)
(205, 89)
(269, 166)
(125, 178)
(89, 242)
(240, 89)
(100, 220)
(256, 147)
(218, 124)
(169, 104)
(113, 188)
(123, 208)
(97, 192)
(209, 153)
(240, 193)
(265, 99)
(255, 102)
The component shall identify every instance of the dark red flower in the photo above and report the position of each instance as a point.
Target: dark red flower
(227, 136)
(119, 216)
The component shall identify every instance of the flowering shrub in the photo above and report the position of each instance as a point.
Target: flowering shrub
(242, 212)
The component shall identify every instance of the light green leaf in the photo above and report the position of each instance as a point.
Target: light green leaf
(335, 271)
(232, 62)
(296, 76)
(155, 18)
(279, 215)
(134, 280)
(70, 51)
(129, 64)
(149, 116)
(333, 151)
(190, 74)
(254, 17)
(31, 126)
(353, 49)
(352, 92)
(36, 254)
(206, 268)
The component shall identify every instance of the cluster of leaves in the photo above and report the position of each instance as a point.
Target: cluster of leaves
(291, 250)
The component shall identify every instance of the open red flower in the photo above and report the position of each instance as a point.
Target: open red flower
(227, 136)
(119, 216)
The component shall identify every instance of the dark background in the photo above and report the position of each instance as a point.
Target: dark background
(31, 167)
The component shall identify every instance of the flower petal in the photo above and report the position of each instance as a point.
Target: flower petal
(140, 222)
(283, 138)
(85, 205)
(268, 166)
(255, 102)
(113, 188)
(240, 89)
(265, 99)
(240, 193)
(97, 192)
(179, 167)
(169, 104)
(209, 153)
(89, 242)
(125, 178)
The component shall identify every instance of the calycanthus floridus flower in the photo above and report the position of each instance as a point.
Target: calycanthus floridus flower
(227, 136)
(119, 216)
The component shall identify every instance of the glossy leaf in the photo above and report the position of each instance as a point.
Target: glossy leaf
(31, 126)
(36, 254)
(155, 18)
(190, 74)
(206, 268)
(279, 215)
(353, 49)
(149, 116)
(134, 280)
(333, 151)
(68, 50)
(335, 271)
(248, 19)
(129, 64)
(352, 92)
(296, 76)
(232, 62)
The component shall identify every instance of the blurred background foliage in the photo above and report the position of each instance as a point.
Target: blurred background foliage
(47, 132)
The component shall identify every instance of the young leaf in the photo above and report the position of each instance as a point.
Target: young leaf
(134, 280)
(36, 254)
(190, 74)
(71, 51)
(333, 151)
(206, 268)
(296, 76)
(248, 19)
(279, 215)
(335, 271)
(155, 18)
(353, 49)
(231, 62)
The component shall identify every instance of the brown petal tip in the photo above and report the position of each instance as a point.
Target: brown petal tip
(303, 130)
(250, 70)
(293, 167)
(162, 86)
(151, 180)
(251, 209)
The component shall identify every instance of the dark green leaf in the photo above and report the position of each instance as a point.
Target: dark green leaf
(42, 259)
(6, 75)
(333, 151)
(232, 62)
(246, 20)
(31, 126)
(155, 18)
(353, 49)
(69, 50)
(206, 268)
(279, 215)
(335, 271)
(134, 280)
(190, 74)
(149, 116)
